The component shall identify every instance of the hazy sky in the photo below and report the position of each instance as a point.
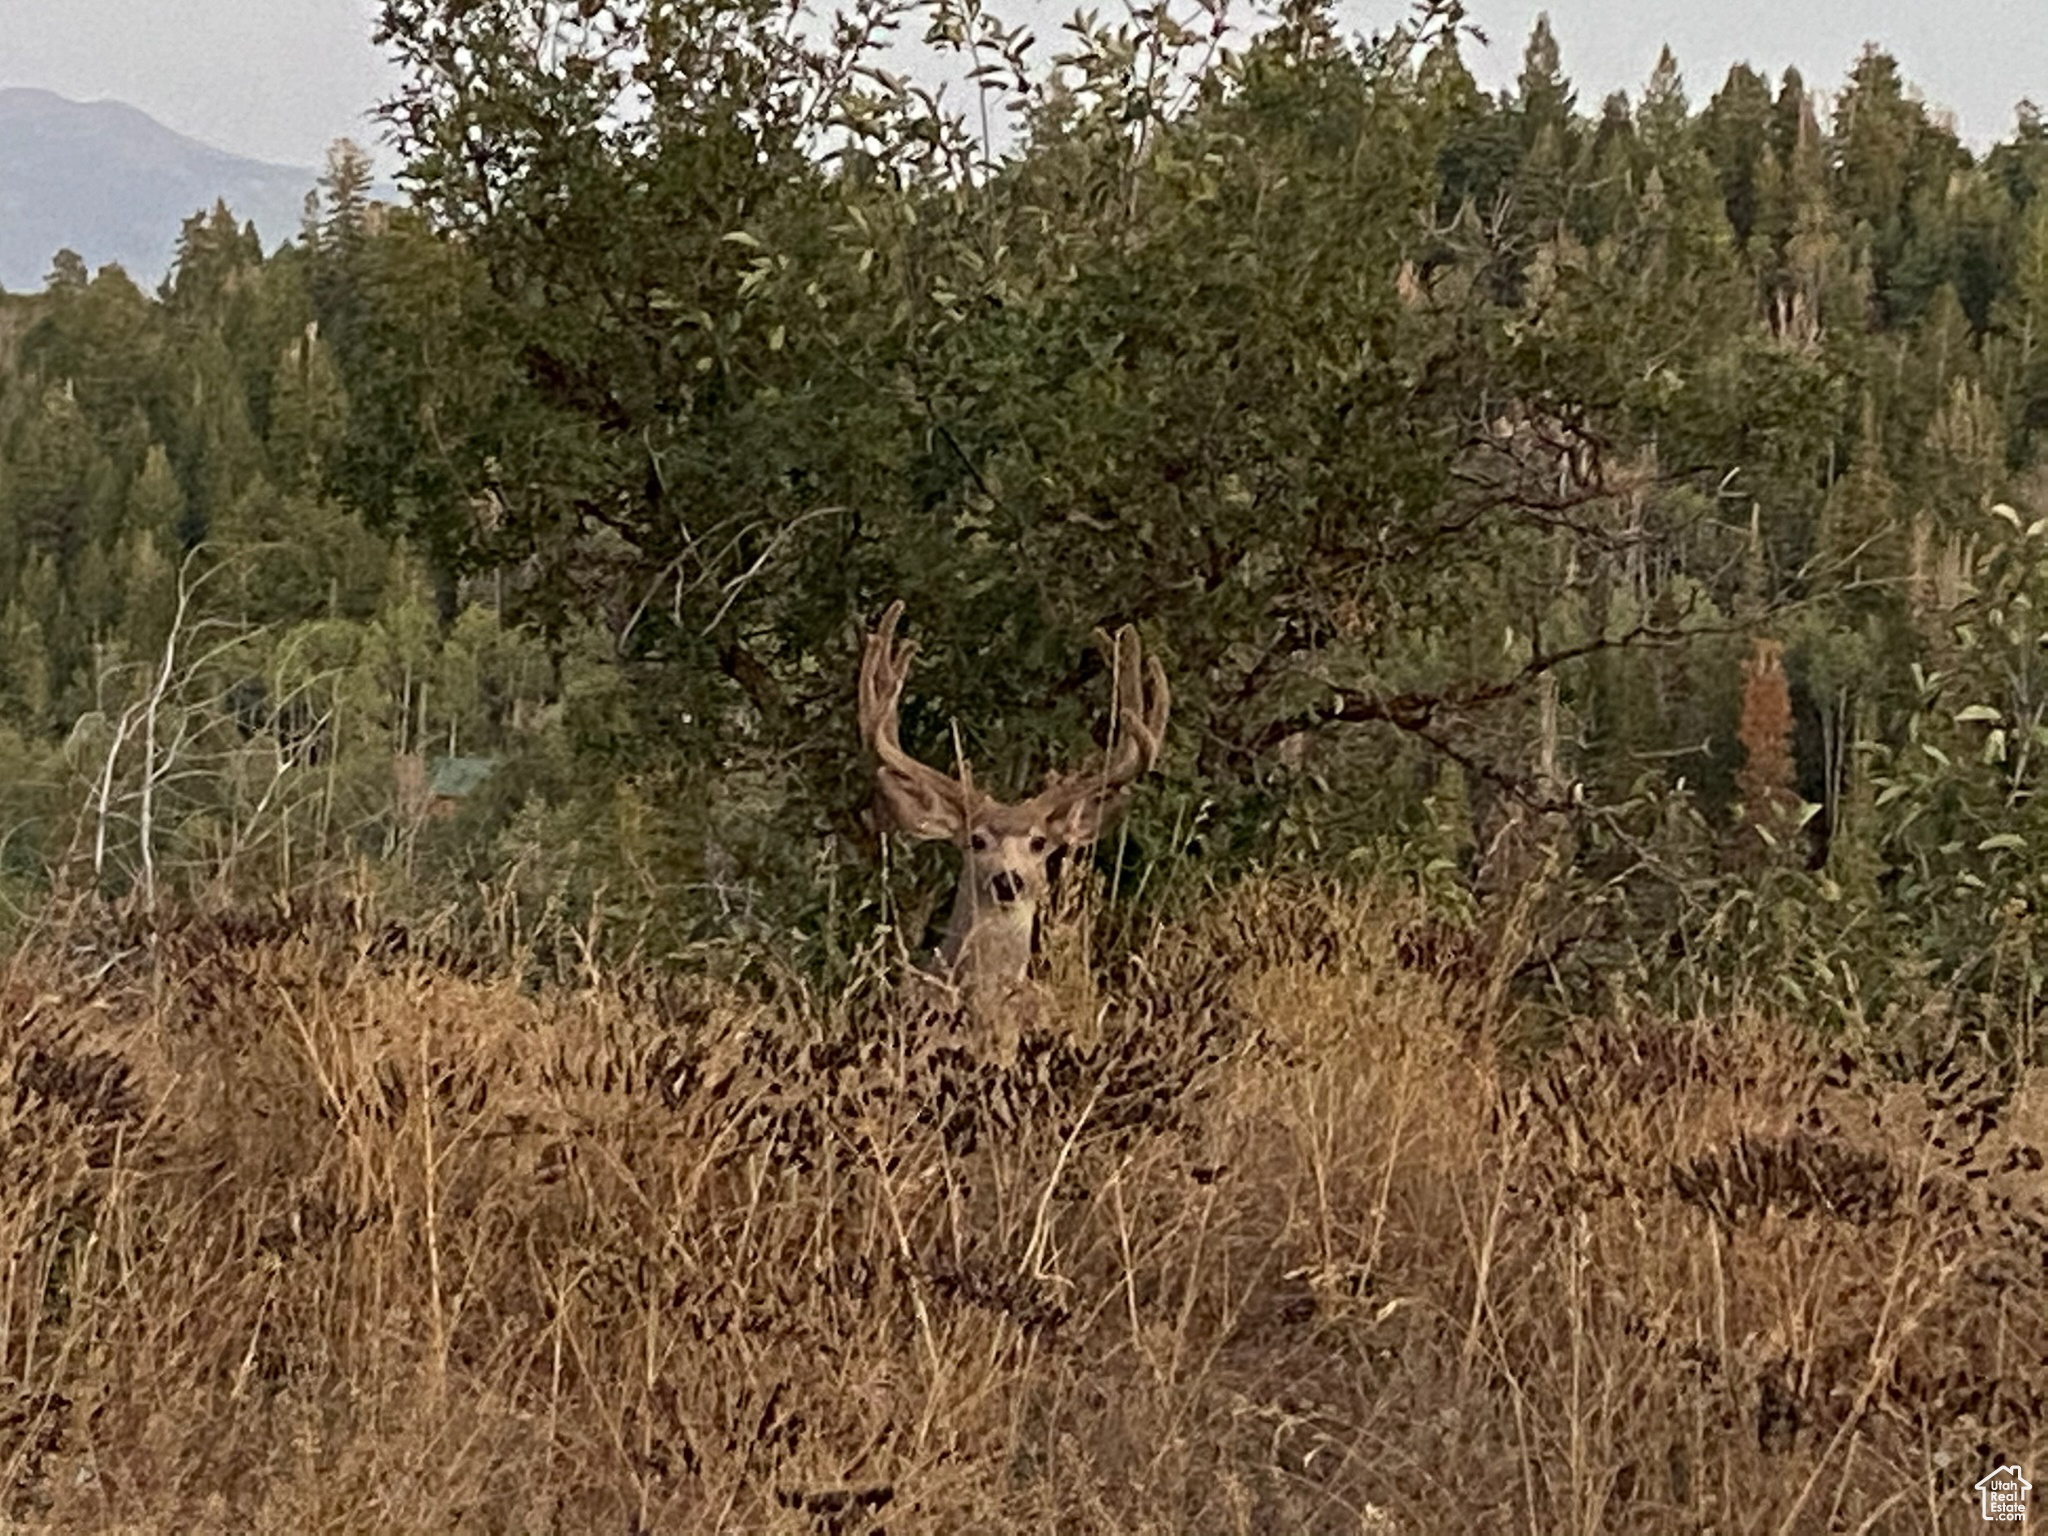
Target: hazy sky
(277, 80)
(1974, 58)
(281, 79)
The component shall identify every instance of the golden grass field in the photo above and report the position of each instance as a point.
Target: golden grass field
(306, 1230)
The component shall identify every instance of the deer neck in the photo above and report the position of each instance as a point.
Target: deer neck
(989, 941)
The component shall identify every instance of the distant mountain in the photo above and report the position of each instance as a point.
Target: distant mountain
(114, 184)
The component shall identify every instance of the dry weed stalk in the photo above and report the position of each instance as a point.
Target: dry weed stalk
(306, 1228)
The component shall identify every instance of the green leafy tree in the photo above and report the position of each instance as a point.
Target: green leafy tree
(1957, 803)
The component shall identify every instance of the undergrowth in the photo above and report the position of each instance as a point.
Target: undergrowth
(306, 1229)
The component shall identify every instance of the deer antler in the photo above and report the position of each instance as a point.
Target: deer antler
(1079, 803)
(915, 797)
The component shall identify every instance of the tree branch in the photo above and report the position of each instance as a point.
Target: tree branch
(1417, 713)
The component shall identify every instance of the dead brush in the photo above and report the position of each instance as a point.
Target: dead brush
(306, 1230)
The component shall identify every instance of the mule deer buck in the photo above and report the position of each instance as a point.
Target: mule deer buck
(1006, 849)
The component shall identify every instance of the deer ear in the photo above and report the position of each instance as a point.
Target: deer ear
(1080, 821)
(909, 806)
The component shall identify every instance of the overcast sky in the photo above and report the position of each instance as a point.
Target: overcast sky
(279, 80)
(276, 80)
(1974, 58)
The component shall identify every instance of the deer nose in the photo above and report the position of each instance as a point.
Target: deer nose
(1007, 886)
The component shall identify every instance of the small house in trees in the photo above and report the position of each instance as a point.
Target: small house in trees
(434, 788)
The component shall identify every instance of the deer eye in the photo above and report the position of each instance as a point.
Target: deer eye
(1038, 842)
(978, 842)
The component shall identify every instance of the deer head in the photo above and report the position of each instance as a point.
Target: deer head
(1006, 849)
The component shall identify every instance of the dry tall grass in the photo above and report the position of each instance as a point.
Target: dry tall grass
(304, 1232)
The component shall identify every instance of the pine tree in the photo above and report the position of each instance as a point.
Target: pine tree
(1966, 452)
(338, 245)
(1794, 127)
(215, 256)
(1544, 98)
(1853, 861)
(2023, 317)
(94, 594)
(156, 502)
(60, 491)
(1610, 172)
(59, 648)
(1687, 211)
(1735, 132)
(148, 585)
(1665, 113)
(308, 412)
(1544, 122)
(1891, 175)
(1874, 130)
(67, 273)
(344, 197)
(24, 670)
(215, 435)
(1861, 537)
(1480, 148)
